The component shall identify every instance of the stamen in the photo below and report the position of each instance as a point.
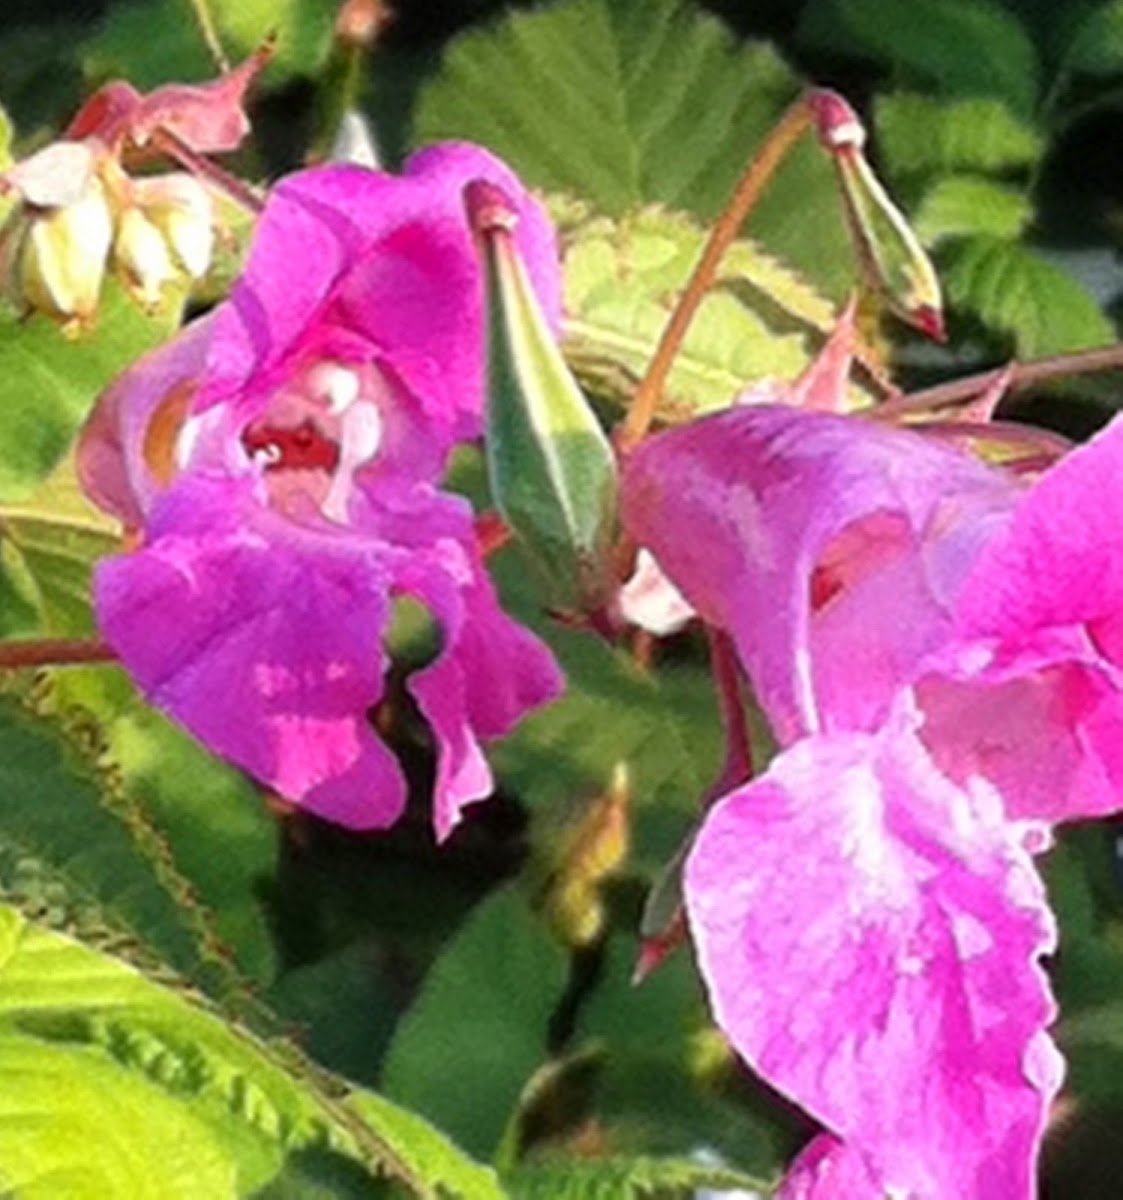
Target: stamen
(339, 386)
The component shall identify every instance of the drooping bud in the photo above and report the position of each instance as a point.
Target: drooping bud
(181, 209)
(141, 255)
(888, 249)
(54, 257)
(551, 468)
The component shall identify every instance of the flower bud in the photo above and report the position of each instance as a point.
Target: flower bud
(141, 255)
(54, 257)
(888, 249)
(182, 211)
(551, 467)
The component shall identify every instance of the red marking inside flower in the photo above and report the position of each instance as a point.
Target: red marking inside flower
(303, 447)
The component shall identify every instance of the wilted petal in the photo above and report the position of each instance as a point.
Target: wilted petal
(207, 117)
(264, 640)
(832, 549)
(870, 937)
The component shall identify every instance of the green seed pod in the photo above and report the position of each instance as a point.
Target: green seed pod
(551, 468)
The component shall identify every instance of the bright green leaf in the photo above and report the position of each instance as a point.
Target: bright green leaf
(49, 381)
(924, 135)
(621, 278)
(152, 1085)
(478, 1030)
(1014, 290)
(48, 544)
(628, 102)
(962, 205)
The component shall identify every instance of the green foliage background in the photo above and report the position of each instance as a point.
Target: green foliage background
(182, 969)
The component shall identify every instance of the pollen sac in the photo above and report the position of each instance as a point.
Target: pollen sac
(551, 468)
(889, 251)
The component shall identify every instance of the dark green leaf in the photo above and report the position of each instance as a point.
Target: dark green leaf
(623, 1179)
(478, 1030)
(626, 102)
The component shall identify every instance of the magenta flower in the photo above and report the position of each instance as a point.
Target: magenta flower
(937, 646)
(280, 459)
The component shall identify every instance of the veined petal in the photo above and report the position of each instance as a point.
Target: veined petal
(870, 936)
(794, 530)
(264, 640)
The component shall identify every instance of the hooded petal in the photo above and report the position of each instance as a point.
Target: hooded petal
(126, 453)
(353, 264)
(870, 935)
(831, 548)
(264, 640)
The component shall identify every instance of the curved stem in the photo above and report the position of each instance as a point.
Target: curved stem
(958, 391)
(54, 652)
(176, 148)
(760, 170)
(209, 32)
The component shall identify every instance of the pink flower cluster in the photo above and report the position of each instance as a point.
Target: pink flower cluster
(939, 649)
(280, 461)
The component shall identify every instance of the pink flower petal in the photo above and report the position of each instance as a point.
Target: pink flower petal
(818, 541)
(828, 1169)
(870, 937)
(358, 264)
(264, 641)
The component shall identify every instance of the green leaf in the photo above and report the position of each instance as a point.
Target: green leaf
(923, 135)
(628, 102)
(151, 43)
(965, 47)
(669, 1082)
(478, 1030)
(1097, 47)
(49, 381)
(621, 279)
(208, 817)
(962, 205)
(48, 545)
(160, 1095)
(623, 1179)
(66, 845)
(1016, 291)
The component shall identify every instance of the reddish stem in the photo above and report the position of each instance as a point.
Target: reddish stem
(737, 767)
(54, 652)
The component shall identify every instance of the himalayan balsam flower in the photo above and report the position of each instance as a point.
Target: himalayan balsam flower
(280, 459)
(937, 647)
(79, 211)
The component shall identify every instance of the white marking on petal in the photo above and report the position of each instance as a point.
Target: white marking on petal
(360, 437)
(339, 386)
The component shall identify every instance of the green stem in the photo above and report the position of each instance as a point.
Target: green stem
(209, 31)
